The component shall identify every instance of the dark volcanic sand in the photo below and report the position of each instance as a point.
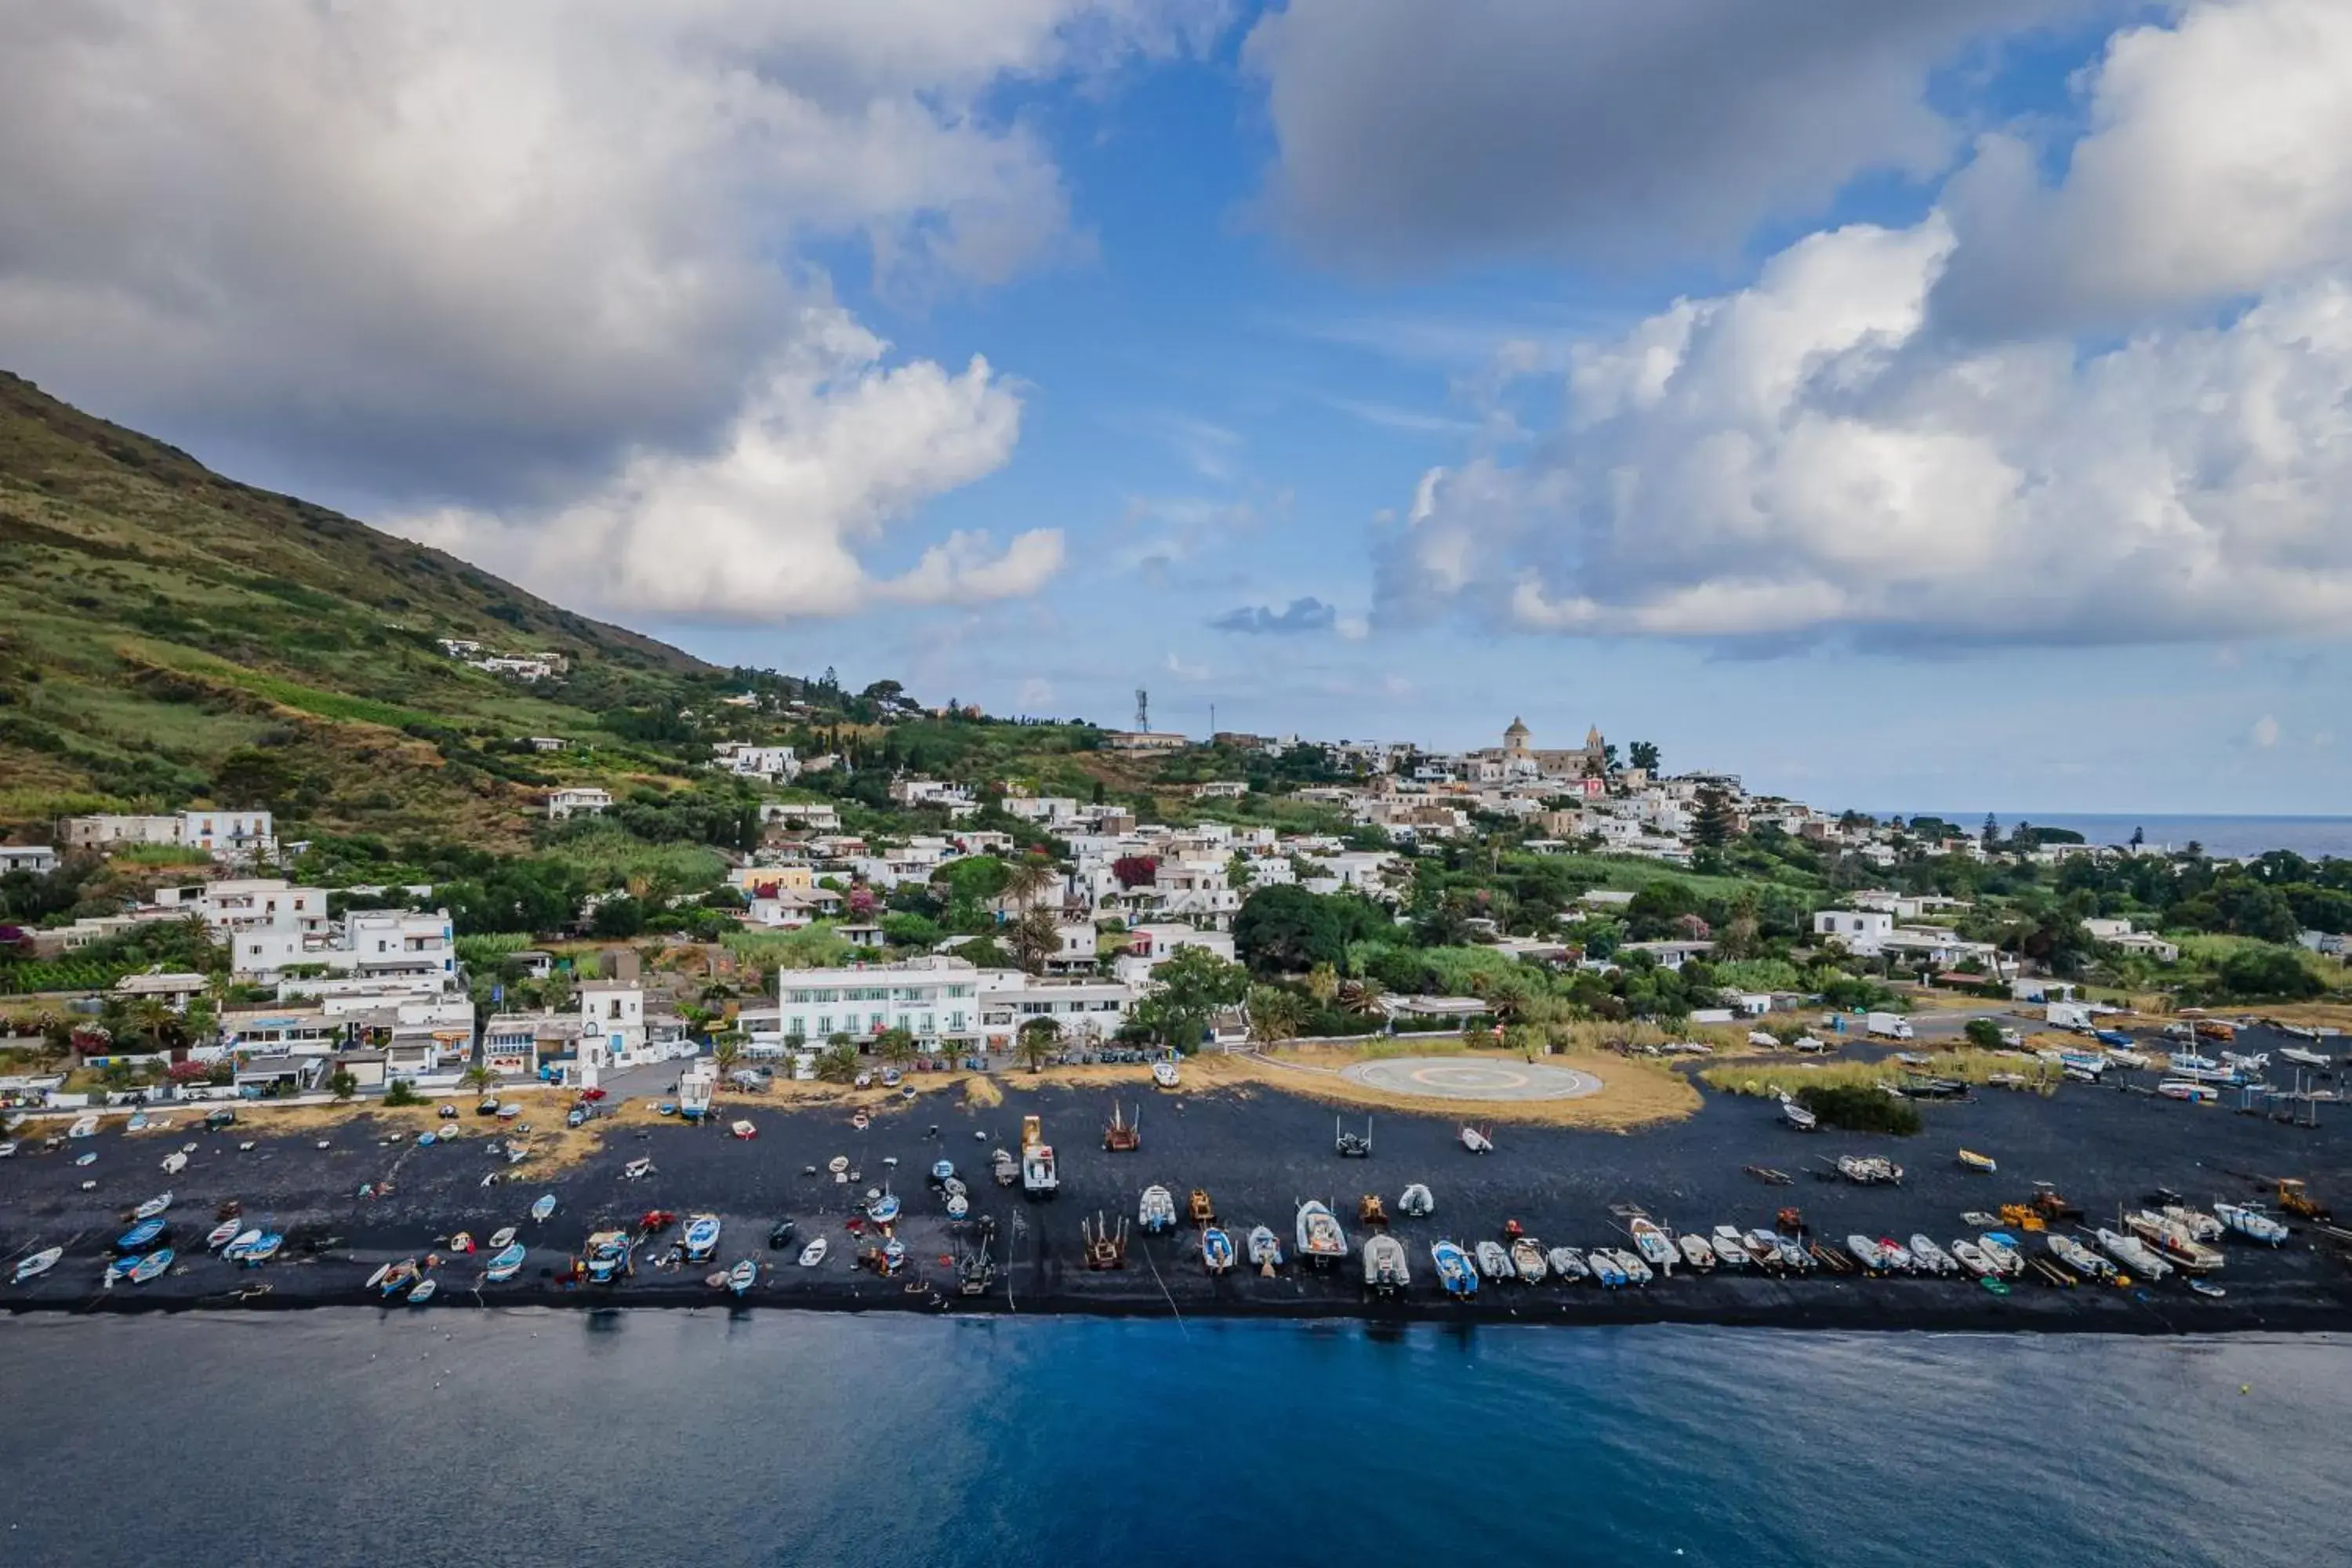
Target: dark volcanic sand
(1258, 1153)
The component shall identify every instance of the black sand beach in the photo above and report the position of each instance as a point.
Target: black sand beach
(1258, 1153)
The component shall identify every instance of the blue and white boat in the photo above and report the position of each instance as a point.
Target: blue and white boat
(138, 1122)
(425, 1291)
(152, 1267)
(429, 1137)
(234, 1248)
(2242, 1220)
(1454, 1269)
(88, 1159)
(701, 1237)
(264, 1248)
(40, 1263)
(942, 1172)
(140, 1237)
(1156, 1211)
(740, 1277)
(120, 1268)
(1216, 1250)
(504, 1266)
(1265, 1249)
(543, 1207)
(152, 1206)
(608, 1256)
(883, 1210)
(1605, 1267)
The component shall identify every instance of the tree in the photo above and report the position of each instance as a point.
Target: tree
(725, 1052)
(1983, 1033)
(1237, 871)
(1644, 755)
(1275, 1014)
(479, 1077)
(896, 1048)
(1364, 999)
(1037, 1041)
(1186, 991)
(1991, 835)
(1286, 929)
(341, 1084)
(153, 1016)
(2269, 972)
(1323, 983)
(1713, 824)
(1136, 870)
(1029, 878)
(837, 1063)
(618, 918)
(400, 1092)
(2138, 837)
(1033, 938)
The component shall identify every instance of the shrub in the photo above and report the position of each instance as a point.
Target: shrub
(400, 1092)
(1857, 1109)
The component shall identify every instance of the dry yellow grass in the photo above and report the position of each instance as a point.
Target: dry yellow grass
(1795, 1072)
(1634, 1093)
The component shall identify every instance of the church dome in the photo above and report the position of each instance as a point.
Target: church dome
(1516, 731)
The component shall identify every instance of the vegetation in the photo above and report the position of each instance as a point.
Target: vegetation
(1860, 1109)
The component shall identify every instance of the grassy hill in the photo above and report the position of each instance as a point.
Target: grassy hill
(169, 636)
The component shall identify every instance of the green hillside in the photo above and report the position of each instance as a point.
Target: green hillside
(169, 636)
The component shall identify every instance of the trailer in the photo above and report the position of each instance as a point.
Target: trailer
(1889, 1026)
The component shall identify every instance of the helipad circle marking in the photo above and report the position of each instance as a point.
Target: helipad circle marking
(1449, 1077)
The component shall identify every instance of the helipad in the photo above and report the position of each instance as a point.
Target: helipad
(1450, 1077)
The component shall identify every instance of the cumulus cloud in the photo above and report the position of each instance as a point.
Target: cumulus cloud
(1302, 616)
(1813, 456)
(1411, 131)
(2265, 732)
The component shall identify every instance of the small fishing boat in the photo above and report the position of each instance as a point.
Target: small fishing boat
(1695, 1251)
(88, 1159)
(462, 1242)
(376, 1279)
(2304, 1059)
(83, 1127)
(1320, 1240)
(1157, 1211)
(1896, 1256)
(1455, 1273)
(2200, 1224)
(221, 1235)
(2080, 1258)
(1164, 1073)
(1478, 1140)
(1606, 1269)
(1654, 1245)
(860, 1119)
(1930, 1257)
(2133, 1254)
(502, 1238)
(542, 1207)
(2000, 1250)
(504, 1264)
(152, 1206)
(1494, 1262)
(1264, 1249)
(1983, 1165)
(2243, 1219)
(781, 1235)
(175, 1162)
(608, 1256)
(942, 1173)
(883, 1210)
(958, 1206)
(36, 1265)
(2123, 1057)
(1636, 1271)
(1763, 1246)
(399, 1276)
(1417, 1202)
(2205, 1288)
(701, 1237)
(1866, 1253)
(1216, 1250)
(2179, 1247)
(508, 1110)
(138, 1122)
(429, 1137)
(1797, 1116)
(263, 1248)
(1870, 1170)
(2194, 1093)
(742, 1130)
(235, 1246)
(1568, 1264)
(1728, 1249)
(1793, 1256)
(425, 1290)
(740, 1277)
(7, 1148)
(140, 1237)
(1527, 1260)
(152, 1267)
(1385, 1271)
(1971, 1258)
(813, 1254)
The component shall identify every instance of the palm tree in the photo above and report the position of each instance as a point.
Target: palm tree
(1034, 937)
(1323, 983)
(1037, 1039)
(726, 1050)
(837, 1063)
(1026, 879)
(1364, 998)
(1273, 1014)
(896, 1048)
(153, 1015)
(479, 1077)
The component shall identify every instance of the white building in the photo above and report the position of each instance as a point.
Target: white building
(778, 765)
(1860, 930)
(1085, 1010)
(935, 999)
(39, 858)
(223, 835)
(1045, 810)
(369, 946)
(1149, 946)
(233, 905)
(562, 804)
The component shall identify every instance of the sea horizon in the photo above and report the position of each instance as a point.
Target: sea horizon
(2314, 835)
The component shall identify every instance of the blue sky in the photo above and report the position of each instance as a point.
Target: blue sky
(1894, 403)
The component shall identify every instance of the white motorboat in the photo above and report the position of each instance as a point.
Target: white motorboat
(1567, 1263)
(1656, 1248)
(2001, 1251)
(2200, 1224)
(2079, 1258)
(39, 1264)
(2133, 1254)
(1797, 1116)
(1454, 1271)
(1896, 1256)
(1164, 1073)
(1157, 1211)
(1728, 1249)
(1385, 1270)
(1605, 1267)
(1494, 1262)
(1971, 1258)
(1695, 1251)
(83, 1127)
(2173, 1242)
(175, 1162)
(1265, 1249)
(1636, 1271)
(1319, 1238)
(2243, 1219)
(1866, 1253)
(2182, 1088)
(1478, 1140)
(2304, 1059)
(1793, 1256)
(1930, 1257)
(1763, 1248)
(1417, 1202)
(813, 1254)
(701, 1238)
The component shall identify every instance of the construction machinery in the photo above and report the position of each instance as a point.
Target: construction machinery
(2052, 1206)
(1371, 1210)
(2295, 1197)
(1199, 1209)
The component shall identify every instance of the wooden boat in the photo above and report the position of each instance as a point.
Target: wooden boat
(2178, 1247)
(2243, 1219)
(36, 1265)
(1417, 1202)
(1265, 1249)
(883, 1210)
(7, 1148)
(1695, 1251)
(140, 1237)
(152, 1267)
(1319, 1238)
(1763, 1247)
(1797, 1116)
(542, 1207)
(740, 1277)
(1568, 1264)
(1930, 1257)
(781, 1235)
(742, 1130)
(958, 1206)
(502, 1238)
(1793, 1256)
(175, 1162)
(221, 1235)
(1122, 1134)
(2205, 1288)
(1870, 1170)
(1455, 1273)
(1216, 1250)
(1528, 1261)
(2196, 1093)
(2200, 1224)
(1385, 1271)
(1478, 1140)
(608, 1256)
(504, 1264)
(425, 1291)
(701, 1237)
(860, 1119)
(152, 1206)
(1198, 1207)
(1164, 1073)
(2132, 1254)
(399, 1276)
(1494, 1262)
(1655, 1246)
(1156, 1211)
(236, 1245)
(813, 1254)
(1983, 1165)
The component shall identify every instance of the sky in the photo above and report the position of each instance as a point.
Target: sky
(1896, 403)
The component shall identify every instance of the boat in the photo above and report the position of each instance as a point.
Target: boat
(2304, 1058)
(1971, 1258)
(2243, 1219)
(1983, 1165)
(701, 1237)
(83, 1127)
(741, 1130)
(425, 1290)
(1416, 1202)
(7, 1148)
(152, 1267)
(813, 1254)
(542, 1207)
(1870, 1170)
(958, 1206)
(1797, 1116)
(1930, 1257)
(1157, 1211)
(138, 1122)
(2080, 1258)
(1896, 1256)
(1695, 1251)
(2180, 1089)
(780, 1234)
(2174, 1242)
(462, 1242)
(1527, 1260)
(1568, 1265)
(1494, 1262)
(1728, 1247)
(2000, 1250)
(221, 1235)
(1164, 1073)
(36, 1265)
(175, 1162)
(1866, 1252)
(140, 1237)
(2123, 1057)
(504, 1264)
(2203, 1227)
(236, 1245)
(88, 1159)
(637, 1169)
(502, 1238)
(152, 1206)
(1385, 1271)
(1655, 1246)
(1794, 1256)
(1455, 1274)
(2205, 1288)
(1605, 1267)
(1040, 1176)
(1478, 1140)
(398, 1276)
(1319, 1238)
(2133, 1254)
(942, 1173)
(883, 1210)
(508, 1110)
(1265, 1249)
(1636, 1271)
(1216, 1250)
(607, 1258)
(1763, 1246)
(740, 1277)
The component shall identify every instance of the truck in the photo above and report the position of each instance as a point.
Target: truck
(2068, 1015)
(1889, 1026)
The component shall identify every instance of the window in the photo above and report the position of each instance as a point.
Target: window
(923, 1024)
(824, 1025)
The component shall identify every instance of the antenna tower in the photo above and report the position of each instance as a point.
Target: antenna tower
(1142, 710)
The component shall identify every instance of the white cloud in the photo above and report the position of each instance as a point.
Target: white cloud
(1184, 670)
(1813, 456)
(769, 527)
(1408, 130)
(2265, 732)
(1035, 696)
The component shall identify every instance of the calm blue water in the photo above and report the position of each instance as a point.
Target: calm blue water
(2312, 836)
(466, 1437)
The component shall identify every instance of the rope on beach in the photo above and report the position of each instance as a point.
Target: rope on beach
(1172, 1311)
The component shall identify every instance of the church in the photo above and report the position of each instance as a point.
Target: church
(1522, 759)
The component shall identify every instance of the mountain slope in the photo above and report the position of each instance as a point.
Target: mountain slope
(169, 636)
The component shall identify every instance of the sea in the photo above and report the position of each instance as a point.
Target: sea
(462, 1436)
(2314, 838)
